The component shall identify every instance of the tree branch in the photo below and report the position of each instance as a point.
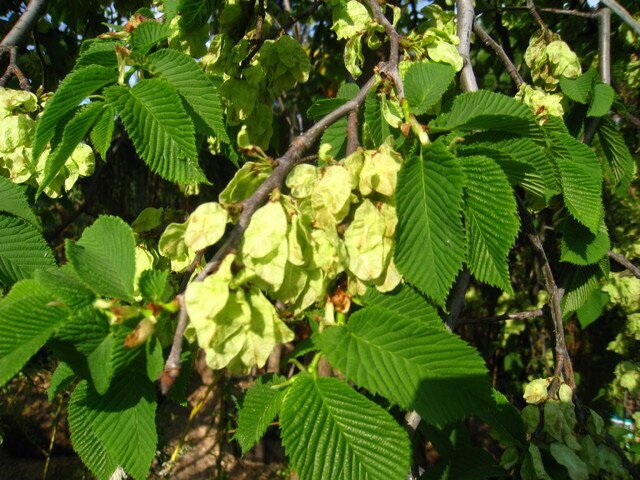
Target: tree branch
(20, 32)
(466, 16)
(622, 13)
(284, 165)
(564, 366)
(499, 51)
(625, 262)
(538, 312)
(13, 69)
(390, 68)
(558, 11)
(352, 132)
(604, 44)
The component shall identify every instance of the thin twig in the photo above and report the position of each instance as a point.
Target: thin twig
(466, 16)
(390, 68)
(533, 11)
(13, 69)
(352, 133)
(564, 366)
(622, 13)
(625, 262)
(557, 11)
(512, 70)
(284, 165)
(538, 312)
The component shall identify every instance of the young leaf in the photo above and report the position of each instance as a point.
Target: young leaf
(192, 84)
(579, 89)
(74, 132)
(425, 83)
(430, 236)
(259, 407)
(617, 153)
(331, 431)
(102, 131)
(491, 221)
(483, 110)
(147, 35)
(104, 257)
(408, 361)
(116, 429)
(160, 129)
(601, 101)
(581, 247)
(14, 201)
(22, 250)
(76, 86)
(581, 180)
(27, 320)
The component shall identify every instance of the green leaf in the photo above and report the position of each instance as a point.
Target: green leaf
(579, 89)
(593, 307)
(524, 163)
(617, 154)
(601, 101)
(430, 238)
(336, 136)
(331, 431)
(154, 358)
(22, 250)
(116, 429)
(418, 365)
(491, 219)
(147, 35)
(483, 110)
(76, 86)
(259, 407)
(99, 52)
(104, 257)
(74, 132)
(102, 131)
(581, 247)
(404, 301)
(580, 283)
(379, 129)
(160, 129)
(195, 13)
(324, 106)
(425, 83)
(581, 180)
(13, 200)
(27, 320)
(504, 419)
(61, 379)
(153, 284)
(569, 459)
(184, 74)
